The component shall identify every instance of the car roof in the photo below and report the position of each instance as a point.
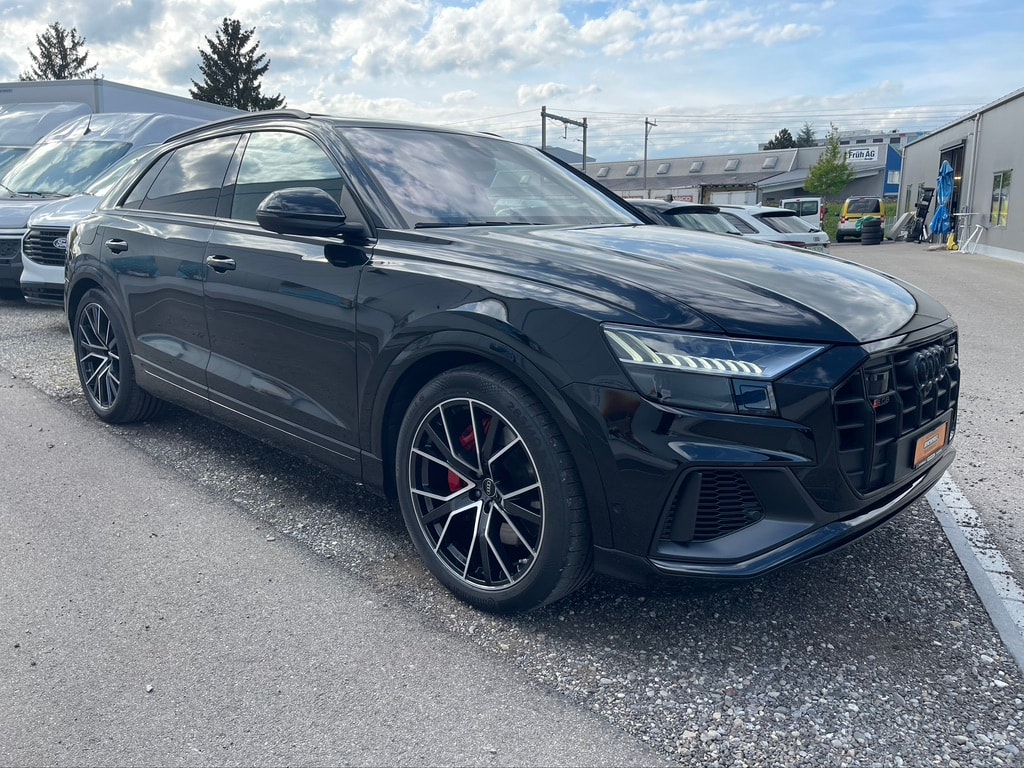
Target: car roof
(274, 115)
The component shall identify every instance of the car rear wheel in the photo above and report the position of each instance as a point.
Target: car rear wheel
(105, 365)
(490, 494)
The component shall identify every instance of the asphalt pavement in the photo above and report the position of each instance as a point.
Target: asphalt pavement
(146, 622)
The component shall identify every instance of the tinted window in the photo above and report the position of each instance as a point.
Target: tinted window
(739, 223)
(275, 161)
(783, 223)
(864, 205)
(191, 178)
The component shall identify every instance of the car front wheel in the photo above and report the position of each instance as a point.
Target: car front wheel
(490, 493)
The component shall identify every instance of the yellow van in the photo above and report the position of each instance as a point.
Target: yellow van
(857, 208)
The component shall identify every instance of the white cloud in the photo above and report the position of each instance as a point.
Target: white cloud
(535, 94)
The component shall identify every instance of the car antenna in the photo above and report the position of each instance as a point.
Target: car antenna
(88, 125)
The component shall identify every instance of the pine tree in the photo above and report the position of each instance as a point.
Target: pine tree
(782, 140)
(60, 56)
(232, 70)
(806, 136)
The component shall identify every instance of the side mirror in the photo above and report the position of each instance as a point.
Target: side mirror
(306, 211)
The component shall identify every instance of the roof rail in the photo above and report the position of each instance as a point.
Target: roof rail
(297, 114)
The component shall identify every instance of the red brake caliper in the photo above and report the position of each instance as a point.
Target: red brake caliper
(468, 442)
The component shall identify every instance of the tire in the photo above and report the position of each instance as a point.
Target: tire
(490, 493)
(839, 237)
(104, 364)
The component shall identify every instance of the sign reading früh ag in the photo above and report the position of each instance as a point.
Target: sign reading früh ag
(862, 155)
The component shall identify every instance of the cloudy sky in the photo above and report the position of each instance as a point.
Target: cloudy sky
(715, 75)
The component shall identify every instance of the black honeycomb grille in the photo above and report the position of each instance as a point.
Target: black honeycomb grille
(887, 398)
(711, 504)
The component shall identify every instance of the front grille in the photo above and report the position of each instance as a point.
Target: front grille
(711, 504)
(888, 398)
(10, 249)
(46, 246)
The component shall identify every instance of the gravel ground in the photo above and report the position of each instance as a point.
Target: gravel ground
(880, 655)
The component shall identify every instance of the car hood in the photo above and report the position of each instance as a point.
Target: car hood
(671, 277)
(14, 212)
(63, 213)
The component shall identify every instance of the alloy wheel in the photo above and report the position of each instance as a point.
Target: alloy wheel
(477, 494)
(99, 357)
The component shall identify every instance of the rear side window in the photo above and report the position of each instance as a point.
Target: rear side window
(783, 223)
(739, 223)
(188, 181)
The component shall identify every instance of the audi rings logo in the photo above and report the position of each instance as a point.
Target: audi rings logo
(61, 243)
(929, 367)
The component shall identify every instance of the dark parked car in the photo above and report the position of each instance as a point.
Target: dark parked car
(546, 387)
(695, 216)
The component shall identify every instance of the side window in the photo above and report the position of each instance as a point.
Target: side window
(275, 160)
(189, 180)
(739, 223)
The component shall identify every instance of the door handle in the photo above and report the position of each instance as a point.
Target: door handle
(220, 263)
(117, 246)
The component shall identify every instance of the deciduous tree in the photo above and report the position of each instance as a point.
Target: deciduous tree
(831, 174)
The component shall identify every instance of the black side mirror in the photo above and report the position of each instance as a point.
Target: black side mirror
(306, 211)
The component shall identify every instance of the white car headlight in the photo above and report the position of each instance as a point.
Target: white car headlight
(709, 372)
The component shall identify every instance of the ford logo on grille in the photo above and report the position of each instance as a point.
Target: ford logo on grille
(61, 243)
(929, 366)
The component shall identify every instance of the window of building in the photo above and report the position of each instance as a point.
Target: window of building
(732, 165)
(602, 171)
(1000, 198)
(632, 170)
(769, 163)
(663, 167)
(696, 166)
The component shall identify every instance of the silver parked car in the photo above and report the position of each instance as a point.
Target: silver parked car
(775, 225)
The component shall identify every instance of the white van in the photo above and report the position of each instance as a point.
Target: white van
(810, 209)
(22, 125)
(64, 163)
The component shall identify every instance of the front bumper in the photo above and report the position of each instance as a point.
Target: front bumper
(10, 259)
(729, 496)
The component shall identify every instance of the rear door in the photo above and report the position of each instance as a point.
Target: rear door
(155, 242)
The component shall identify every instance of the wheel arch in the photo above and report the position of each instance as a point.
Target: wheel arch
(413, 369)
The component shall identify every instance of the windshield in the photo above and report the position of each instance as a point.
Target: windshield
(8, 155)
(103, 183)
(58, 169)
(438, 179)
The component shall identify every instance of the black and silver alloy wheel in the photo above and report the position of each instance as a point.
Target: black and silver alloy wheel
(98, 354)
(490, 493)
(104, 363)
(478, 498)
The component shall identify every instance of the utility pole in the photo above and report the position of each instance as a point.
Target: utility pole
(545, 115)
(648, 124)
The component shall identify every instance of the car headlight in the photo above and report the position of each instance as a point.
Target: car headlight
(707, 372)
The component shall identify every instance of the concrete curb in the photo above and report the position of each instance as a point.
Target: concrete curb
(986, 567)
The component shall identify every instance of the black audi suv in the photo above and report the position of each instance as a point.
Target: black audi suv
(546, 386)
